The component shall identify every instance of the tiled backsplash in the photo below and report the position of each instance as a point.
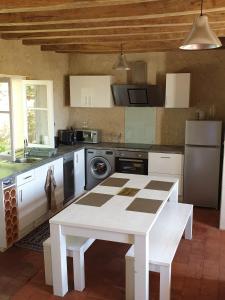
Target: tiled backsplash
(135, 124)
(140, 125)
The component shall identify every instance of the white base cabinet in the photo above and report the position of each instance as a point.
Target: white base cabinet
(79, 171)
(32, 201)
(167, 164)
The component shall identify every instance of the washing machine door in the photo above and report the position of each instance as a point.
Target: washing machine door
(100, 167)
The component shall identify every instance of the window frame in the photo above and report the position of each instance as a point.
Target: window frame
(3, 155)
(50, 111)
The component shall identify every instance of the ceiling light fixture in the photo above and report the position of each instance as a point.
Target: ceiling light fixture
(121, 63)
(201, 36)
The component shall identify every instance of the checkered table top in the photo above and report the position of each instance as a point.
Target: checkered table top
(125, 203)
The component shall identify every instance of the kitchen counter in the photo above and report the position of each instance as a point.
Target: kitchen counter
(138, 147)
(8, 169)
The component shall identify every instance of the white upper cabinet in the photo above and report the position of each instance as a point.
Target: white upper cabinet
(177, 90)
(91, 91)
(39, 116)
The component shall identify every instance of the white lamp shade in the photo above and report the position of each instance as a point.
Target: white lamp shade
(201, 36)
(121, 63)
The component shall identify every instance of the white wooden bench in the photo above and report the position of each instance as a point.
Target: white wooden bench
(76, 247)
(174, 220)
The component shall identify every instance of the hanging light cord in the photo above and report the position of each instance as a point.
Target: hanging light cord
(201, 6)
(121, 48)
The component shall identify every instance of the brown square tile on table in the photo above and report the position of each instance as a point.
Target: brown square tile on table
(159, 185)
(116, 182)
(94, 199)
(129, 192)
(144, 205)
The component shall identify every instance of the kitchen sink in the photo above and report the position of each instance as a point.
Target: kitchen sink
(28, 160)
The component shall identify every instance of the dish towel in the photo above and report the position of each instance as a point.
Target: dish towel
(50, 186)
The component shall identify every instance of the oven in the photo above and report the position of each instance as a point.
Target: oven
(133, 162)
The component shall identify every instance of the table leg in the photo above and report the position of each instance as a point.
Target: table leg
(141, 267)
(174, 194)
(59, 261)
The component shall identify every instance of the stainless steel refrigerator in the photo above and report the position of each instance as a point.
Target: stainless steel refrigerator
(202, 163)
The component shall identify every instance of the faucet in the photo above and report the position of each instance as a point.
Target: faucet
(25, 151)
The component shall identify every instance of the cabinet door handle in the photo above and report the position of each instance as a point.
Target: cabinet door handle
(27, 177)
(21, 196)
(165, 157)
(76, 158)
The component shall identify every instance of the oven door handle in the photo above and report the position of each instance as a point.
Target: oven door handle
(131, 160)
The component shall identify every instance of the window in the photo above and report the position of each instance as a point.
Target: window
(39, 122)
(6, 140)
(26, 112)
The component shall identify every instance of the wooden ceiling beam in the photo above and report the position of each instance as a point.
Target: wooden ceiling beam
(103, 32)
(169, 21)
(115, 46)
(114, 38)
(98, 32)
(106, 39)
(153, 9)
(28, 5)
(180, 20)
(115, 51)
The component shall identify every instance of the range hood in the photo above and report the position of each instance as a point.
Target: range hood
(137, 95)
(137, 92)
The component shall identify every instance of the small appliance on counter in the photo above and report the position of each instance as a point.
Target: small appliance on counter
(66, 137)
(90, 136)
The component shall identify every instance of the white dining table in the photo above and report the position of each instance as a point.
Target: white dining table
(120, 218)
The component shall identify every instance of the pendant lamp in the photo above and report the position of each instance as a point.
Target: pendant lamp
(201, 36)
(121, 63)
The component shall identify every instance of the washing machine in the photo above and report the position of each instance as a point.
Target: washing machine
(99, 165)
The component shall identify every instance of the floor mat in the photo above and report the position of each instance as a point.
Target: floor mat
(35, 239)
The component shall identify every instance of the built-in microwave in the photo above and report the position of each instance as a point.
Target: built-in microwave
(137, 95)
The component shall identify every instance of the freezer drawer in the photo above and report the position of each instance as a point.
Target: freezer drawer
(201, 176)
(205, 133)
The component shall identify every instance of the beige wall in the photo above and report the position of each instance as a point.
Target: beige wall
(109, 120)
(207, 88)
(16, 59)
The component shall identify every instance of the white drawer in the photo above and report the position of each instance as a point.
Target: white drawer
(168, 176)
(165, 163)
(25, 177)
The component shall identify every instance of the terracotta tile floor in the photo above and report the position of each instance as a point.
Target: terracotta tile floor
(198, 270)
